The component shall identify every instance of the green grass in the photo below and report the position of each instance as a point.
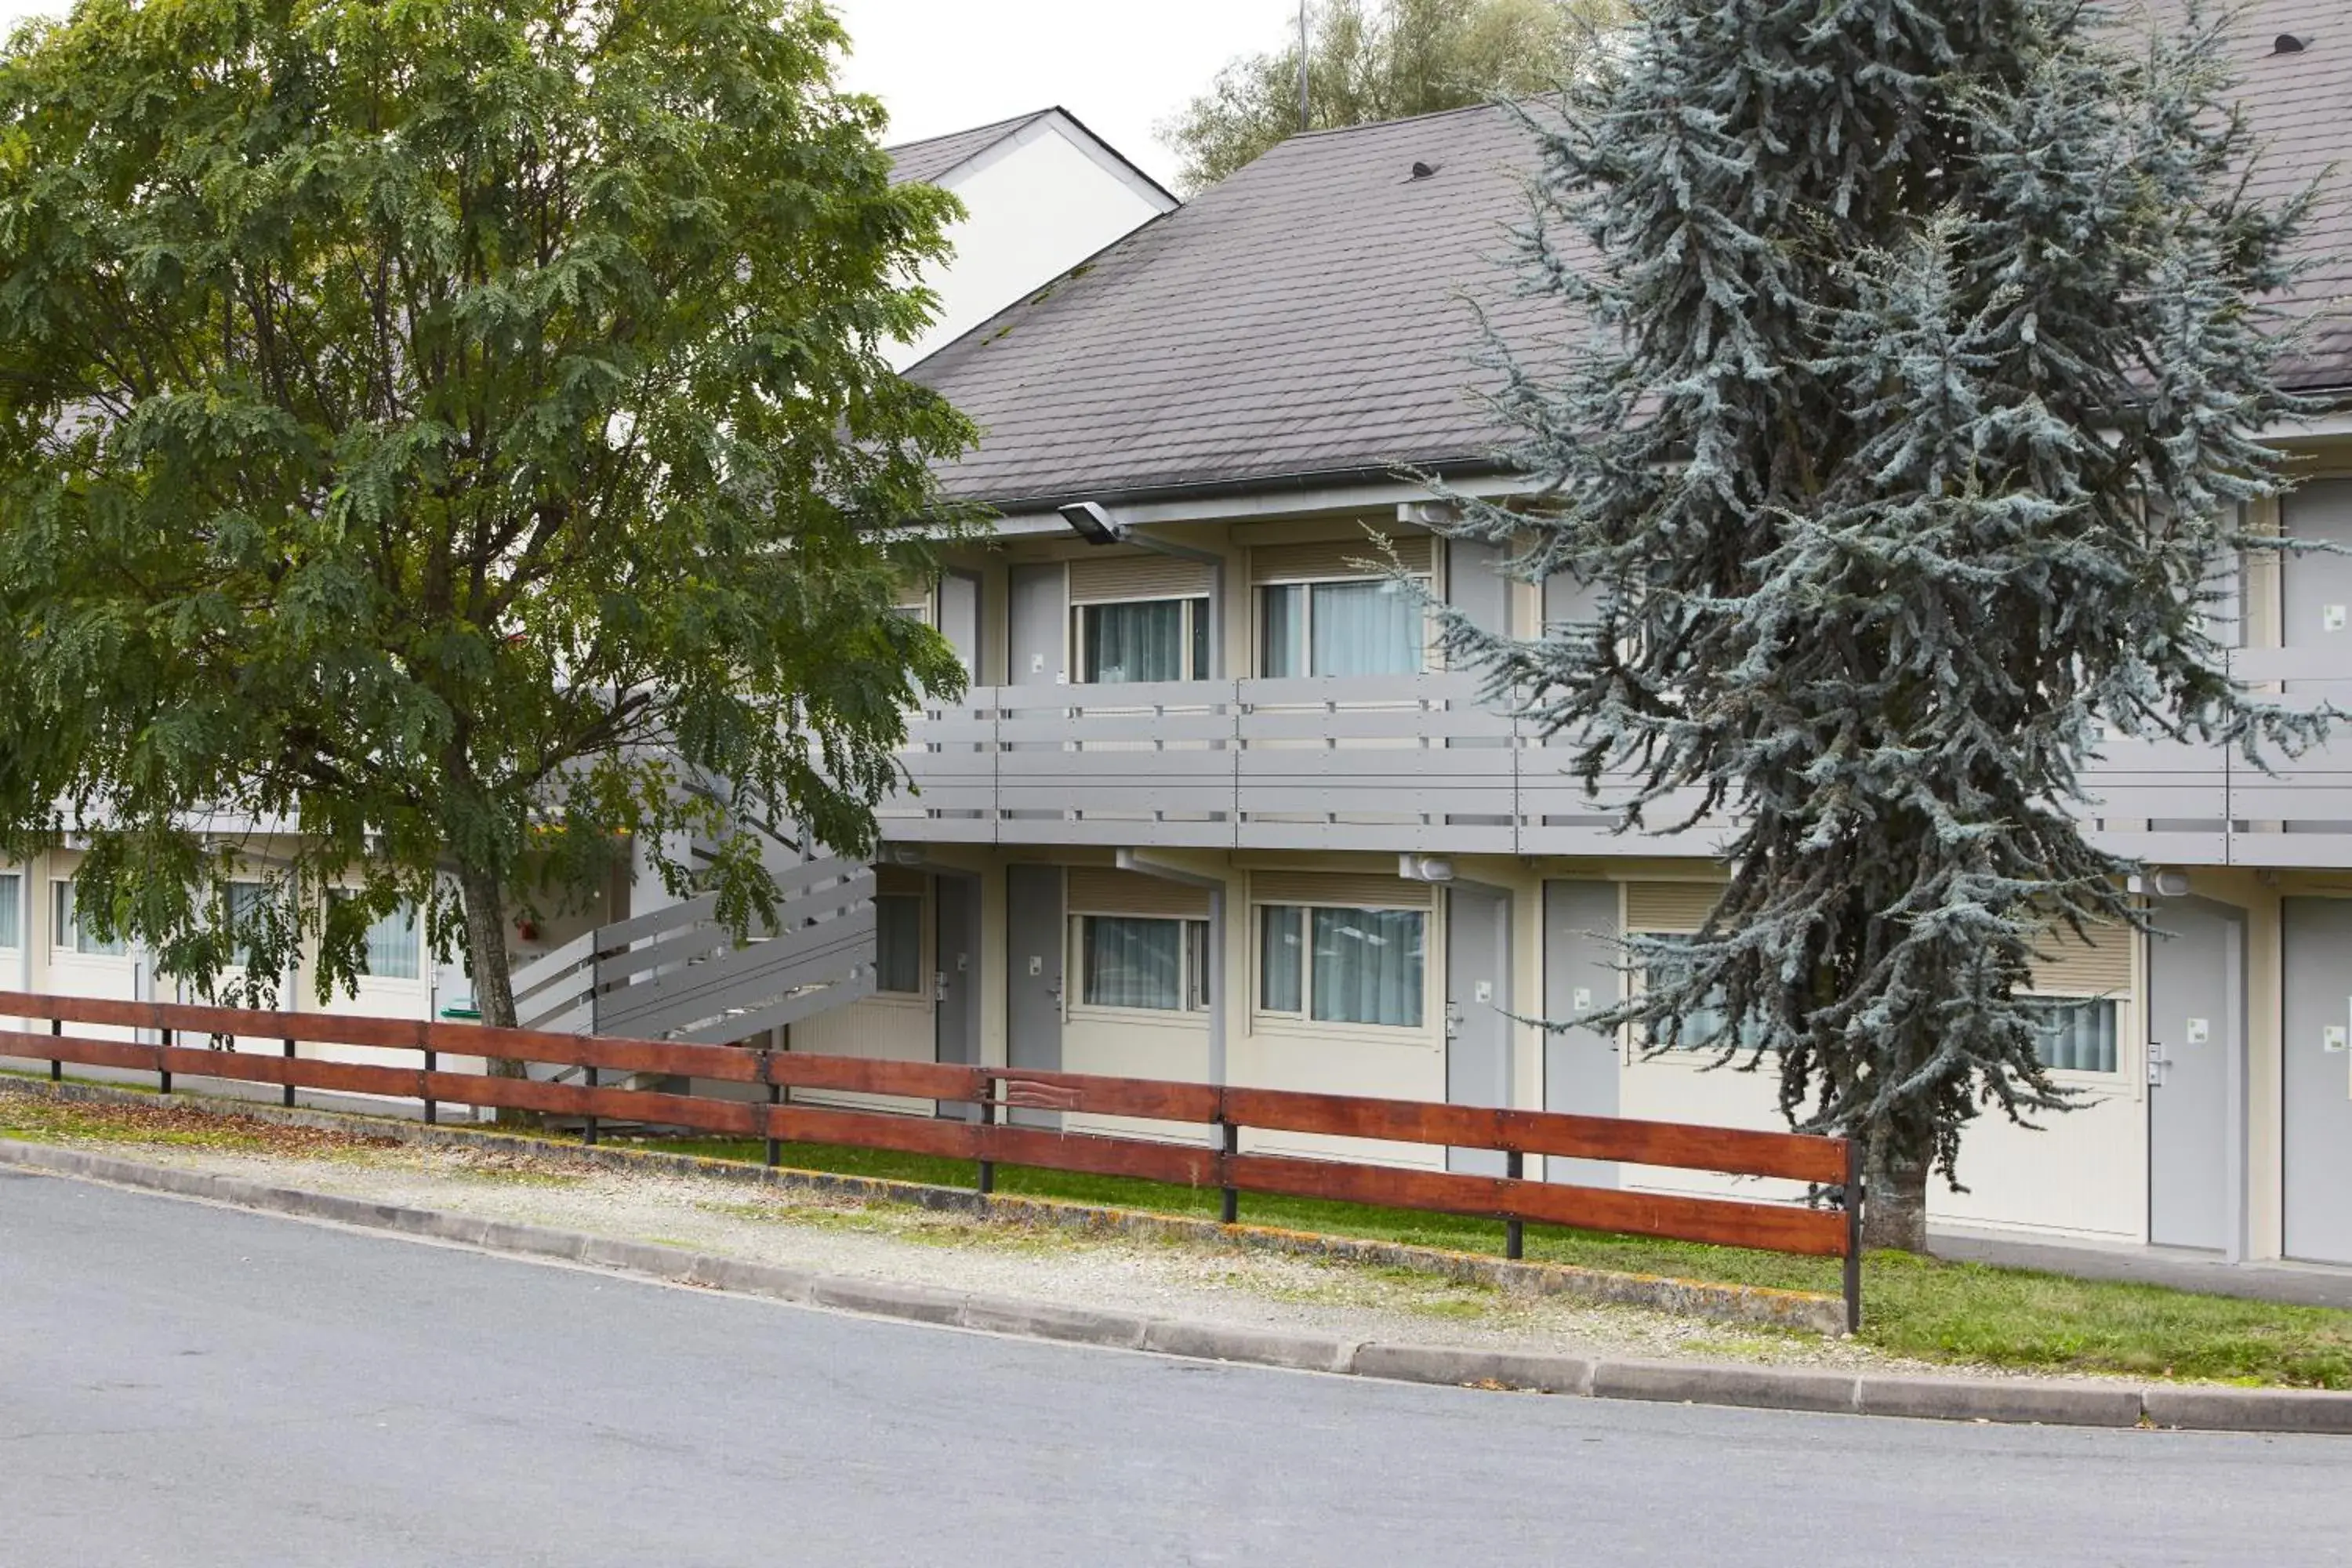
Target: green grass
(1922, 1307)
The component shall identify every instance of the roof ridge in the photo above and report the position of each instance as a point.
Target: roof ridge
(1331, 130)
(1004, 125)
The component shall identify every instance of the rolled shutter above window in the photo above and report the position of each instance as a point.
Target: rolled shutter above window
(899, 879)
(1669, 907)
(1336, 558)
(1347, 890)
(2073, 967)
(1126, 577)
(1100, 891)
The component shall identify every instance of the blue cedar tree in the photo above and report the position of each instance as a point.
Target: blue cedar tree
(1914, 355)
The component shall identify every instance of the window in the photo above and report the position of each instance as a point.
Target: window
(1282, 959)
(12, 926)
(248, 902)
(2078, 1035)
(899, 943)
(1143, 639)
(390, 950)
(1370, 626)
(70, 935)
(1126, 961)
(1342, 966)
(1702, 1025)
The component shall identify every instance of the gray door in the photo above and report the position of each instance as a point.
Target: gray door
(2317, 1082)
(2191, 1032)
(1034, 941)
(2316, 591)
(1568, 598)
(959, 620)
(1037, 610)
(956, 982)
(1477, 1012)
(1475, 586)
(1581, 979)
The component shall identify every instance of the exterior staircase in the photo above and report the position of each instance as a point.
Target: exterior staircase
(679, 973)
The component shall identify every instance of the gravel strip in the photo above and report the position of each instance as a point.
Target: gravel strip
(908, 1246)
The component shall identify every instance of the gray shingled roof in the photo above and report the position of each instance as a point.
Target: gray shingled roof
(922, 162)
(1307, 317)
(1301, 317)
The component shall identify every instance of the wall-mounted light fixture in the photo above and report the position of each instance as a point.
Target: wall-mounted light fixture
(1090, 522)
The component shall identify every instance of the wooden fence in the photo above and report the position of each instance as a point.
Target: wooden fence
(219, 1043)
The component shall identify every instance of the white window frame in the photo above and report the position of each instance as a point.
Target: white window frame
(423, 978)
(1306, 647)
(1192, 983)
(18, 908)
(1304, 1015)
(65, 928)
(1639, 1048)
(1199, 625)
(2119, 1077)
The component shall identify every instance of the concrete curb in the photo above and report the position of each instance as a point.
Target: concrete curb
(1720, 1303)
(1691, 1382)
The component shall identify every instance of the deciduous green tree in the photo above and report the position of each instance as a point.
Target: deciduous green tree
(1917, 359)
(1385, 61)
(443, 440)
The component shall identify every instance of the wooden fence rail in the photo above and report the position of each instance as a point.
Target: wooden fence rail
(217, 1043)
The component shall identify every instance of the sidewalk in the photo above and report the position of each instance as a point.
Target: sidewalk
(2295, 1284)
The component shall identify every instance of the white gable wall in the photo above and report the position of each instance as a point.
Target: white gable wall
(1036, 203)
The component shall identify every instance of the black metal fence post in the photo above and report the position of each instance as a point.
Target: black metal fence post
(775, 1150)
(1514, 1233)
(432, 1106)
(987, 1119)
(288, 1097)
(165, 1074)
(588, 1130)
(57, 1068)
(1230, 1210)
(1853, 1199)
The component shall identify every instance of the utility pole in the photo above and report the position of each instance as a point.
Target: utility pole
(1302, 64)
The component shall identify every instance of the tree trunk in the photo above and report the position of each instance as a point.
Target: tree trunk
(486, 950)
(1895, 1189)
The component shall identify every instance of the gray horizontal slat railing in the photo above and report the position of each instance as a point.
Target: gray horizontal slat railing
(1422, 764)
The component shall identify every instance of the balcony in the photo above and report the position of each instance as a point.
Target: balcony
(1419, 763)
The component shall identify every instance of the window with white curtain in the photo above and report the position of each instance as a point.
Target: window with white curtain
(1365, 626)
(1342, 965)
(11, 916)
(1702, 1025)
(393, 950)
(245, 900)
(1143, 639)
(69, 933)
(899, 943)
(2078, 1034)
(1129, 960)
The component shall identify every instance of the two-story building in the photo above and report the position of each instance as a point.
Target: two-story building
(1213, 811)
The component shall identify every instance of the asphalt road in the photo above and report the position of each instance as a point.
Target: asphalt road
(195, 1386)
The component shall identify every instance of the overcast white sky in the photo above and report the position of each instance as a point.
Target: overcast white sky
(1121, 66)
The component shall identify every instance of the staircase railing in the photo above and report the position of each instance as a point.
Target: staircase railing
(680, 973)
